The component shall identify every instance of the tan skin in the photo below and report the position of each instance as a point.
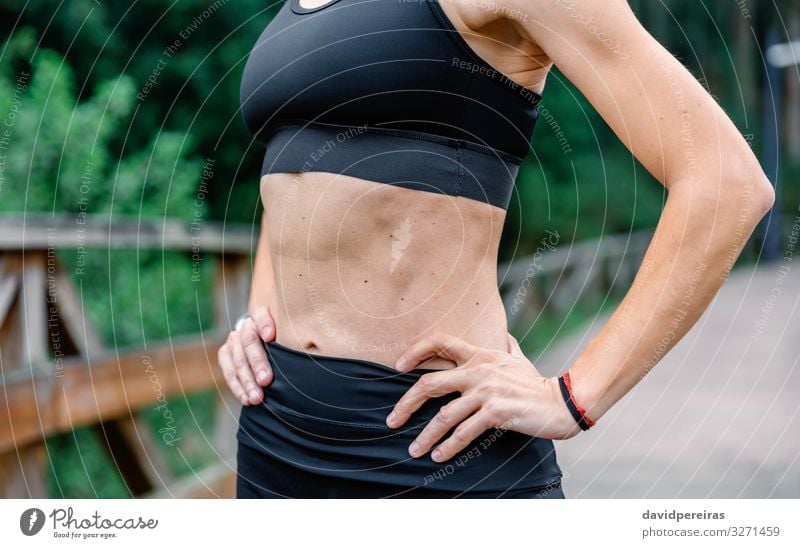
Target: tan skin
(322, 270)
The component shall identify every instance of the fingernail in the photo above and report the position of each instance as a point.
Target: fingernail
(391, 418)
(413, 449)
(401, 363)
(254, 395)
(436, 455)
(262, 376)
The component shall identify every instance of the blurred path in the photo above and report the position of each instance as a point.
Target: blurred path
(719, 416)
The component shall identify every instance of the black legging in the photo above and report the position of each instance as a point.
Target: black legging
(321, 433)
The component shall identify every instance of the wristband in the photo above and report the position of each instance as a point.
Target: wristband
(578, 413)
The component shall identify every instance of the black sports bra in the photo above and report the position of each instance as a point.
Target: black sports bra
(388, 91)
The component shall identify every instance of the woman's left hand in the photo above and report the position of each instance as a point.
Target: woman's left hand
(498, 390)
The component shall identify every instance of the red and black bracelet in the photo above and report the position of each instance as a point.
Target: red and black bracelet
(577, 412)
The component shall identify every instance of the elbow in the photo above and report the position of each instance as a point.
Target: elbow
(766, 197)
(756, 186)
(744, 186)
(752, 196)
(762, 196)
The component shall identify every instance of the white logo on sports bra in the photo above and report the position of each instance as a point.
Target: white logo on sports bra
(314, 4)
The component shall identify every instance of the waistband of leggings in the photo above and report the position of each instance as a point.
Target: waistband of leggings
(342, 389)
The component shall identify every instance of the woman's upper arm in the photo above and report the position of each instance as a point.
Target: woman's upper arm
(648, 98)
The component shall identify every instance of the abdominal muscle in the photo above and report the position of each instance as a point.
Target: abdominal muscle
(364, 270)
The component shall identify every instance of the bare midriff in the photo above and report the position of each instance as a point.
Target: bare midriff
(364, 270)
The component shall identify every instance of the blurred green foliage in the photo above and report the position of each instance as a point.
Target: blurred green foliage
(79, 467)
(63, 158)
(113, 50)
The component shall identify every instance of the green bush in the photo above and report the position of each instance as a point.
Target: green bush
(61, 158)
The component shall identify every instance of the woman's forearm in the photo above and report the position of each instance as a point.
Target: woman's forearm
(697, 240)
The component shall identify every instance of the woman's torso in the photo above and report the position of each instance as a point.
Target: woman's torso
(364, 269)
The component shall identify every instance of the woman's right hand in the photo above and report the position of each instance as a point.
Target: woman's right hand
(243, 358)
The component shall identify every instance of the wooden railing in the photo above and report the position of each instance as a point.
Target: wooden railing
(89, 384)
(95, 385)
(561, 273)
